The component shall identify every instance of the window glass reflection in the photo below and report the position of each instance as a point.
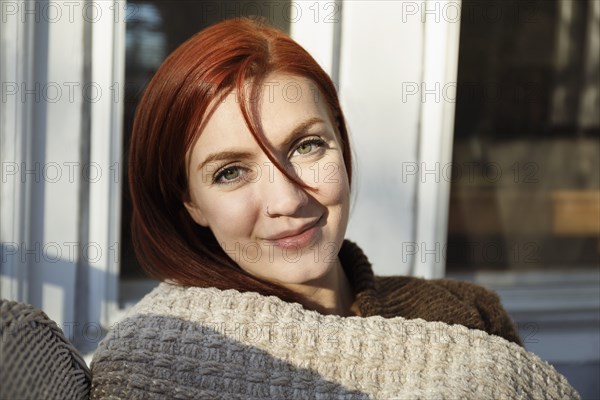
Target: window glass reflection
(525, 191)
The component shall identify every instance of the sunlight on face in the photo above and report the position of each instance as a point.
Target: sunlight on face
(273, 228)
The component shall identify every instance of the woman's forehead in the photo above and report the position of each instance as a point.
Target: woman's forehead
(285, 102)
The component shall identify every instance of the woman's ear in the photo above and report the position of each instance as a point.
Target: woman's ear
(196, 214)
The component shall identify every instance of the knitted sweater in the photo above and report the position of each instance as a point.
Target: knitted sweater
(205, 343)
(445, 300)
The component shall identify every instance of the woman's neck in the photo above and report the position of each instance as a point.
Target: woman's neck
(332, 294)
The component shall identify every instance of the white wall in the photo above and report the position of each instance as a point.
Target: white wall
(41, 157)
(60, 144)
(378, 55)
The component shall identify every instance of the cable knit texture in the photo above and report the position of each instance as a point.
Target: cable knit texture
(205, 343)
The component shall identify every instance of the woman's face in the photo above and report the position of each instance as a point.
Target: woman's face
(273, 228)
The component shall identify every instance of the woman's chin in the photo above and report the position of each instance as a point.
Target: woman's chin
(307, 276)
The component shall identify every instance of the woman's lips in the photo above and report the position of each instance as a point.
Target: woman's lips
(298, 239)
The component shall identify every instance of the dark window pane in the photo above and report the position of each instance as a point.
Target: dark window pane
(525, 192)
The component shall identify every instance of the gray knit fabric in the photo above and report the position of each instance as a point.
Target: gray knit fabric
(193, 343)
(36, 360)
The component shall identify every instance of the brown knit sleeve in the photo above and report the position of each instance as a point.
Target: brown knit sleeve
(492, 313)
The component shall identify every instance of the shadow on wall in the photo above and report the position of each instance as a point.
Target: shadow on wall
(60, 286)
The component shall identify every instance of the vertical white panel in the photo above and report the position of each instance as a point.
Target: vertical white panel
(61, 202)
(106, 136)
(41, 131)
(381, 54)
(438, 95)
(60, 100)
(16, 61)
(313, 25)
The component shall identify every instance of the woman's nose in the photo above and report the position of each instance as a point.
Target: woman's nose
(281, 196)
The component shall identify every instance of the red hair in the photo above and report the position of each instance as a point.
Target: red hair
(215, 61)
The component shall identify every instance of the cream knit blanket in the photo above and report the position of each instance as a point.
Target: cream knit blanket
(193, 343)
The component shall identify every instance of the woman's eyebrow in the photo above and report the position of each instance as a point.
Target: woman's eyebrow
(224, 155)
(300, 129)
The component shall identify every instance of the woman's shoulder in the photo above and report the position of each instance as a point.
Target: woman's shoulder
(446, 300)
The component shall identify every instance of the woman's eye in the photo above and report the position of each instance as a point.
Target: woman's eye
(308, 146)
(305, 148)
(228, 175)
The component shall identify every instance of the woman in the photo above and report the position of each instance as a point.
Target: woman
(240, 171)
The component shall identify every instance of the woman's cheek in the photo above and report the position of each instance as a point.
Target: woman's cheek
(231, 214)
(332, 180)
